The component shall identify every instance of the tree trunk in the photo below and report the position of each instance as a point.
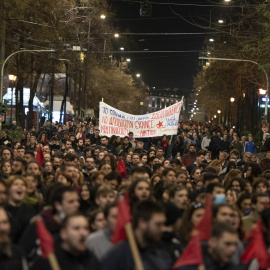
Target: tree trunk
(33, 90)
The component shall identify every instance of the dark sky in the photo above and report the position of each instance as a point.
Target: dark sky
(165, 69)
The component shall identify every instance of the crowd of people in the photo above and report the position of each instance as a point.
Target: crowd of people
(76, 188)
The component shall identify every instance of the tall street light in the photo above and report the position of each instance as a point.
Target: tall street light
(232, 99)
(249, 61)
(4, 63)
(12, 78)
(219, 116)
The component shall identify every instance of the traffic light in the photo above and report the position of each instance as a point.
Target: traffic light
(146, 9)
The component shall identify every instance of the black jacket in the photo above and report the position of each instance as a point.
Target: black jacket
(86, 261)
(210, 263)
(13, 262)
(156, 257)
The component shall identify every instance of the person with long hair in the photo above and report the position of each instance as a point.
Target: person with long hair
(244, 203)
(110, 159)
(251, 171)
(234, 173)
(196, 175)
(85, 199)
(43, 138)
(33, 197)
(79, 134)
(96, 220)
(216, 164)
(5, 169)
(191, 218)
(154, 180)
(20, 212)
(139, 190)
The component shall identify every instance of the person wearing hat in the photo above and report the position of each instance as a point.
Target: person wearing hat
(170, 236)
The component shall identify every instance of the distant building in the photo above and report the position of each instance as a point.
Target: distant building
(161, 98)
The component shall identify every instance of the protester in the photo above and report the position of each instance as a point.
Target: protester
(72, 253)
(83, 171)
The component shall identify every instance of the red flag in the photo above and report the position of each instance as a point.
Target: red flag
(45, 238)
(123, 217)
(256, 248)
(192, 254)
(121, 167)
(205, 225)
(40, 157)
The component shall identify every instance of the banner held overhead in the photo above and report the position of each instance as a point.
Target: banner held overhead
(116, 122)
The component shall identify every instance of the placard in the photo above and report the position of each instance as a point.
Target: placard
(116, 122)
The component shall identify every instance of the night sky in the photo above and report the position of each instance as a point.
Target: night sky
(174, 70)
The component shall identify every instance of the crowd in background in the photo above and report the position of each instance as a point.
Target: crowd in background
(75, 192)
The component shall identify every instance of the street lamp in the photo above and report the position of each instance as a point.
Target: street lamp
(215, 116)
(12, 78)
(122, 49)
(103, 16)
(220, 21)
(232, 99)
(116, 35)
(128, 60)
(138, 75)
(211, 39)
(219, 111)
(262, 92)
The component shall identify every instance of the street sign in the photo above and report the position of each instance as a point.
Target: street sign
(2, 119)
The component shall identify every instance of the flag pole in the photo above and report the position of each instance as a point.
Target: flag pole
(134, 248)
(53, 262)
(46, 244)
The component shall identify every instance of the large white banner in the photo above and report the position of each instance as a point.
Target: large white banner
(116, 122)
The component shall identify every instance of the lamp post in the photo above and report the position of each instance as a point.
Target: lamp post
(249, 61)
(4, 63)
(219, 115)
(12, 78)
(232, 99)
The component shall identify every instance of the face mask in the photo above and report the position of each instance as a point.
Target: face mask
(220, 198)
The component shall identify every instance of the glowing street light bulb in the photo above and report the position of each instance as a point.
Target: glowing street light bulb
(138, 75)
(262, 91)
(12, 77)
(116, 35)
(219, 111)
(122, 49)
(232, 99)
(220, 21)
(211, 39)
(102, 16)
(215, 116)
(128, 60)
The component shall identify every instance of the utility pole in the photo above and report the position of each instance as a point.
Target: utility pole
(3, 46)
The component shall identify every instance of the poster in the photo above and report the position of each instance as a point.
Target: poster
(116, 122)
